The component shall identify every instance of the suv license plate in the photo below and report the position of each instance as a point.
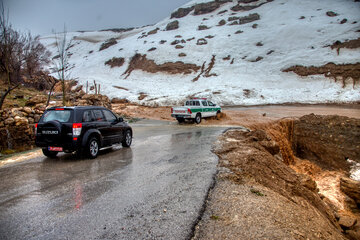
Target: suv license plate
(55, 149)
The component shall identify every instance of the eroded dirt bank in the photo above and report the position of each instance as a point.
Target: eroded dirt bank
(282, 180)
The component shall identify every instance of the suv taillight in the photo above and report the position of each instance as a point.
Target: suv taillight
(77, 129)
(172, 110)
(189, 111)
(36, 128)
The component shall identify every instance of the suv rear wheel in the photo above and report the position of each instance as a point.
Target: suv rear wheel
(49, 154)
(92, 147)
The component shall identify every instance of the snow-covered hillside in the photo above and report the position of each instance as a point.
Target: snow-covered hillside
(237, 59)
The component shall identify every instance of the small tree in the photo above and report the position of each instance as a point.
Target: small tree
(11, 43)
(61, 61)
(17, 52)
(35, 55)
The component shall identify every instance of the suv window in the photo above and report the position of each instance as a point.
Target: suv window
(211, 104)
(204, 103)
(59, 115)
(197, 103)
(98, 115)
(109, 116)
(87, 117)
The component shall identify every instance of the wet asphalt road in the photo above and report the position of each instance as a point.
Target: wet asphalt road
(153, 190)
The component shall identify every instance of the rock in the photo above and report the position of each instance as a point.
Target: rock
(353, 235)
(202, 27)
(31, 120)
(238, 32)
(204, 8)
(108, 43)
(97, 100)
(250, 18)
(152, 49)
(308, 182)
(21, 121)
(27, 110)
(271, 146)
(230, 19)
(201, 41)
(9, 121)
(153, 31)
(346, 221)
(179, 46)
(343, 21)
(239, 7)
(162, 41)
(119, 100)
(172, 25)
(182, 55)
(36, 100)
(351, 188)
(175, 42)
(181, 12)
(331, 14)
(222, 22)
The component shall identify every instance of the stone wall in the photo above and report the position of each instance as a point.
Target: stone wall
(17, 127)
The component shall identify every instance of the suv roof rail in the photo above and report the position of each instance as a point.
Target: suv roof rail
(196, 98)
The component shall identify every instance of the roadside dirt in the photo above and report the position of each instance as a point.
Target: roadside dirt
(281, 180)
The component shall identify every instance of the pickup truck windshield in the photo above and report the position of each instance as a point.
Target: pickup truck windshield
(59, 115)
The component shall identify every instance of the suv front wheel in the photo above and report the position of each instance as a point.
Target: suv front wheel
(92, 147)
(128, 139)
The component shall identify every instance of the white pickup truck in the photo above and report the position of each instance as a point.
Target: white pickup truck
(195, 109)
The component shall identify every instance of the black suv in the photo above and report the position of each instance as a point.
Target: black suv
(80, 129)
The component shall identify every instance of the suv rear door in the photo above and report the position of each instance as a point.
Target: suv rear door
(54, 126)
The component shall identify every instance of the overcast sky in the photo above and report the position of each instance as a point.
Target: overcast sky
(43, 16)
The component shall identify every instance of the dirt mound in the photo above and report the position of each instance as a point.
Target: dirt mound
(256, 170)
(140, 62)
(327, 140)
(108, 43)
(336, 71)
(260, 165)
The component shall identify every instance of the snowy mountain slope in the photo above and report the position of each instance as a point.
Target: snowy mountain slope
(249, 58)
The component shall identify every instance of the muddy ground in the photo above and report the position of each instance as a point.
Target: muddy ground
(280, 179)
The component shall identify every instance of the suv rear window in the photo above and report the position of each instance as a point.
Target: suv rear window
(59, 115)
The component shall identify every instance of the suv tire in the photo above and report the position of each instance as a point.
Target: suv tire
(127, 140)
(198, 118)
(92, 147)
(49, 154)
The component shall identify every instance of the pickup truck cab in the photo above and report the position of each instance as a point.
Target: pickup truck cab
(195, 109)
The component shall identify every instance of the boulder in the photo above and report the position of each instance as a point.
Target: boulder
(36, 100)
(222, 22)
(181, 12)
(9, 121)
(172, 25)
(204, 8)
(250, 18)
(347, 221)
(201, 41)
(27, 110)
(351, 188)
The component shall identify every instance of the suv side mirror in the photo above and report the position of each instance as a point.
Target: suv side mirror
(120, 119)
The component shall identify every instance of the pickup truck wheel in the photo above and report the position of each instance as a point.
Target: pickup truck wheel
(180, 120)
(127, 140)
(92, 148)
(198, 118)
(218, 115)
(49, 154)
